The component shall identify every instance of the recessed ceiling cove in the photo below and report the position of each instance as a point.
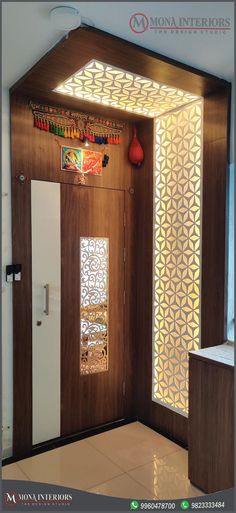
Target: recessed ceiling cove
(113, 87)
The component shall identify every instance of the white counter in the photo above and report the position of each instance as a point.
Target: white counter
(221, 354)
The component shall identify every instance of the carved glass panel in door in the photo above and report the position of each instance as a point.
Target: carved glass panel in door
(94, 304)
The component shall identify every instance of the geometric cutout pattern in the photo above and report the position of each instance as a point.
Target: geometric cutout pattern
(101, 83)
(94, 269)
(177, 252)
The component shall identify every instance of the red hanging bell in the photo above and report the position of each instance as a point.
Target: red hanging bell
(136, 154)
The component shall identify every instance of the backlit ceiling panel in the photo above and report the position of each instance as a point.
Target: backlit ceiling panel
(176, 280)
(110, 86)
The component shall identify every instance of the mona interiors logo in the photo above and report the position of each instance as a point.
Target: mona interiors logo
(139, 23)
(36, 499)
(10, 498)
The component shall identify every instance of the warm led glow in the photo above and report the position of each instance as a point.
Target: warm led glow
(100, 83)
(177, 219)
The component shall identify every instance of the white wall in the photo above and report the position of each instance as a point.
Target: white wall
(7, 379)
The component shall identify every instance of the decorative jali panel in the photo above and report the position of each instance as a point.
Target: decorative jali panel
(101, 83)
(177, 242)
(94, 268)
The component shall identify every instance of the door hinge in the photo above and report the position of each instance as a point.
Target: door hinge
(124, 297)
(124, 253)
(123, 388)
(124, 219)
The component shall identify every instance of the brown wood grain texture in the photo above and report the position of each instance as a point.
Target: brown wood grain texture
(131, 348)
(22, 314)
(95, 399)
(39, 153)
(83, 45)
(215, 163)
(211, 421)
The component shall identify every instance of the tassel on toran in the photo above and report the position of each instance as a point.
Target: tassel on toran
(73, 132)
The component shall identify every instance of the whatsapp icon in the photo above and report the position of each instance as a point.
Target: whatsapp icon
(184, 505)
(134, 505)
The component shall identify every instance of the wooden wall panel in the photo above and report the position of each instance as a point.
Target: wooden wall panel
(216, 115)
(144, 224)
(85, 44)
(131, 346)
(37, 153)
(215, 163)
(211, 425)
(22, 318)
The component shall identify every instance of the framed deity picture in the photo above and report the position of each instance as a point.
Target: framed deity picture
(79, 160)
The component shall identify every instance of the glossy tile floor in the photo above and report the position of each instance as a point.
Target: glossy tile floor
(131, 461)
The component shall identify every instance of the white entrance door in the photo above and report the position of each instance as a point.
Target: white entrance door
(46, 309)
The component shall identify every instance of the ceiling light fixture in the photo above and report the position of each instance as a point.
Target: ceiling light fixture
(110, 86)
(65, 17)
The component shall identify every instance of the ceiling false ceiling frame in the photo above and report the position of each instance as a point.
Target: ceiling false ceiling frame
(110, 86)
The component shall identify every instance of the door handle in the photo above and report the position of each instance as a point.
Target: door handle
(46, 310)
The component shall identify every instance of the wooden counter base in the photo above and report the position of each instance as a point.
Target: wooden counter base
(211, 413)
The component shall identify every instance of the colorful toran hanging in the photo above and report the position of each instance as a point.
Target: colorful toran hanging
(76, 125)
